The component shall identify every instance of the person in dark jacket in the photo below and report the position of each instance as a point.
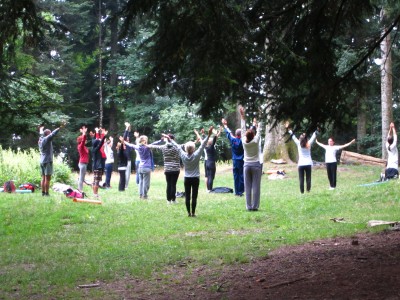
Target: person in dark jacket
(210, 162)
(128, 152)
(122, 164)
(237, 157)
(98, 143)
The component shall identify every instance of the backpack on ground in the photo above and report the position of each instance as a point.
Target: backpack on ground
(180, 194)
(9, 187)
(222, 190)
(71, 193)
(27, 186)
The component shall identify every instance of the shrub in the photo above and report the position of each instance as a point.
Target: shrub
(23, 166)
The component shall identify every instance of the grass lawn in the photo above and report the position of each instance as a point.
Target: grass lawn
(50, 245)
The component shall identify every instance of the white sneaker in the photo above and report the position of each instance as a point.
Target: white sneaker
(331, 188)
(174, 202)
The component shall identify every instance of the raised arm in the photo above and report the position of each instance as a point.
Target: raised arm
(313, 138)
(121, 138)
(319, 144)
(394, 133)
(348, 144)
(198, 137)
(204, 142)
(127, 131)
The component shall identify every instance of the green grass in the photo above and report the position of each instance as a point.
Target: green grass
(51, 245)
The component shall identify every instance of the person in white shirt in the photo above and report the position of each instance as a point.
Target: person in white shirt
(252, 165)
(330, 159)
(305, 161)
(392, 166)
(109, 160)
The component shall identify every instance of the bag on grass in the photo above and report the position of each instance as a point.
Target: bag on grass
(222, 190)
(9, 186)
(391, 173)
(70, 193)
(180, 194)
(27, 186)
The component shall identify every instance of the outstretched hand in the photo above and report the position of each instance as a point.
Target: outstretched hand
(224, 122)
(166, 136)
(241, 111)
(210, 130)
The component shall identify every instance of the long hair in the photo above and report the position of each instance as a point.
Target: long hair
(303, 141)
(249, 135)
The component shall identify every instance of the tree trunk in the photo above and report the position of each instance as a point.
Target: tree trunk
(100, 70)
(113, 127)
(386, 88)
(361, 121)
(274, 144)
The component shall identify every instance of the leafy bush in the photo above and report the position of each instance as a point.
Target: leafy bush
(23, 166)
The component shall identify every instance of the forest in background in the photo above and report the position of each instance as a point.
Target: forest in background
(172, 66)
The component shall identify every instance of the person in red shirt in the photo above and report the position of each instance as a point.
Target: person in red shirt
(83, 157)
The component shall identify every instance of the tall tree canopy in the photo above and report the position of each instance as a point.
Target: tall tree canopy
(308, 61)
(24, 94)
(284, 54)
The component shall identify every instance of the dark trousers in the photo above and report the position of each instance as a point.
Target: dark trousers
(191, 189)
(172, 179)
(238, 177)
(210, 173)
(307, 171)
(137, 162)
(331, 169)
(122, 180)
(109, 169)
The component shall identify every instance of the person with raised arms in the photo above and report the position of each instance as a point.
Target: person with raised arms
(191, 158)
(330, 159)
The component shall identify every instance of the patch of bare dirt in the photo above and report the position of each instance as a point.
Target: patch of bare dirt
(365, 266)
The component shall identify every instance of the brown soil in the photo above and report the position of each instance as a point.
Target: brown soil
(365, 266)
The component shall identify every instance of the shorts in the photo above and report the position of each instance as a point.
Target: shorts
(97, 174)
(46, 169)
(391, 173)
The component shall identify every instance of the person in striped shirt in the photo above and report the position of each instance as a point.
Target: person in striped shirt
(172, 166)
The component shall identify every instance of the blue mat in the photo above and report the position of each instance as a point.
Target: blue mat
(372, 183)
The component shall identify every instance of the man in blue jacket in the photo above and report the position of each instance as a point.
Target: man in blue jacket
(237, 157)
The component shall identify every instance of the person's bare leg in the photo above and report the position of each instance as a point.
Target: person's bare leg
(47, 183)
(95, 190)
(43, 184)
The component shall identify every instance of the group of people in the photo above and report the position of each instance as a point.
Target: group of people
(247, 158)
(305, 162)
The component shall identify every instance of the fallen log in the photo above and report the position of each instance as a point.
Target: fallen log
(87, 200)
(348, 157)
(87, 286)
(374, 223)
